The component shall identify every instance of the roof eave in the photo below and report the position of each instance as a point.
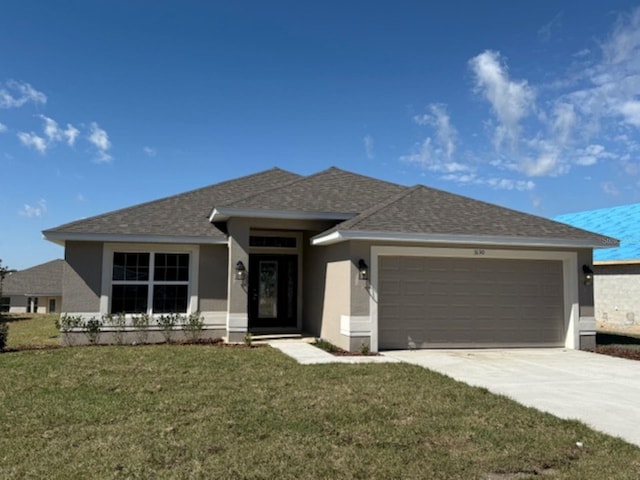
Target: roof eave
(222, 214)
(62, 237)
(338, 236)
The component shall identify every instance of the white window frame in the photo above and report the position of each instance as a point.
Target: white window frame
(107, 272)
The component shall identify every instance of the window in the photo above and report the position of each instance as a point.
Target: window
(52, 305)
(273, 242)
(150, 282)
(32, 305)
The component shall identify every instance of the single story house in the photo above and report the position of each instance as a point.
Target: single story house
(352, 259)
(35, 290)
(616, 270)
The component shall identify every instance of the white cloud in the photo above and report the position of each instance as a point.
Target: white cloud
(103, 157)
(494, 182)
(70, 134)
(582, 53)
(426, 156)
(100, 139)
(549, 29)
(546, 163)
(510, 100)
(610, 189)
(368, 146)
(445, 131)
(3, 128)
(631, 112)
(564, 121)
(33, 211)
(150, 151)
(16, 94)
(590, 155)
(34, 141)
(624, 42)
(52, 135)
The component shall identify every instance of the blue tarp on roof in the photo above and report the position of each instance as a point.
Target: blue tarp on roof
(621, 222)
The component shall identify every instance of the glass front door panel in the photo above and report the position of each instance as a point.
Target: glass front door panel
(268, 289)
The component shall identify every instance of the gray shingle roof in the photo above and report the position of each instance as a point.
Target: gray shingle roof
(423, 210)
(332, 190)
(43, 279)
(185, 215)
(378, 206)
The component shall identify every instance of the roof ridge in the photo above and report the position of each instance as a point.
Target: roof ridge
(519, 212)
(261, 192)
(55, 260)
(377, 207)
(302, 179)
(162, 199)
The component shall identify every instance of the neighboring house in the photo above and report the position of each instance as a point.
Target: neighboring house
(35, 290)
(617, 269)
(354, 260)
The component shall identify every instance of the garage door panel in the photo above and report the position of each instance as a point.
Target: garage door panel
(448, 302)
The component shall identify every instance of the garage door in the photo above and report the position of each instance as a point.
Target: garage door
(469, 302)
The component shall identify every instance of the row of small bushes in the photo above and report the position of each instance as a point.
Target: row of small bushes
(192, 325)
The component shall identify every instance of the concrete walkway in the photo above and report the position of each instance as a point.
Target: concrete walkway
(601, 391)
(306, 354)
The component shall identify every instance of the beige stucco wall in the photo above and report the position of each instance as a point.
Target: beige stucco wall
(213, 280)
(82, 282)
(326, 288)
(336, 300)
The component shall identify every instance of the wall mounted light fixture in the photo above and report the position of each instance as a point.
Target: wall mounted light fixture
(363, 270)
(588, 275)
(241, 271)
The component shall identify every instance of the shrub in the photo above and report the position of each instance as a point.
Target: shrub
(118, 322)
(67, 323)
(193, 326)
(248, 339)
(326, 346)
(92, 329)
(167, 323)
(4, 333)
(141, 324)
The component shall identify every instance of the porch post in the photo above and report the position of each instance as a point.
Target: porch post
(237, 304)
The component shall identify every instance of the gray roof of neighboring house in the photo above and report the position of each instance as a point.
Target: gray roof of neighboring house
(43, 279)
(367, 204)
(423, 210)
(185, 215)
(331, 191)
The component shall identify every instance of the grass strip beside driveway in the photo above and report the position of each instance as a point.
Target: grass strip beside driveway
(221, 412)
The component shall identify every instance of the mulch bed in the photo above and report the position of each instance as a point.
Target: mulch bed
(621, 352)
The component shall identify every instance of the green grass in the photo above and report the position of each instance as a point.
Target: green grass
(213, 412)
(29, 330)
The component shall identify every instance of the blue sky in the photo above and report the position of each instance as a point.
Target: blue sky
(531, 105)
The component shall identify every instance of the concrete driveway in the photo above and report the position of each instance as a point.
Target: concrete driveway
(601, 391)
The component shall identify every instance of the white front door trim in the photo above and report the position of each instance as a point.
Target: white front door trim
(569, 272)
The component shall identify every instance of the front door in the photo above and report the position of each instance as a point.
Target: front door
(273, 291)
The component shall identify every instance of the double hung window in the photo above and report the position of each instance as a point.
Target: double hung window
(144, 282)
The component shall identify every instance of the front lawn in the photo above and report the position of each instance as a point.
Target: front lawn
(230, 412)
(28, 330)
